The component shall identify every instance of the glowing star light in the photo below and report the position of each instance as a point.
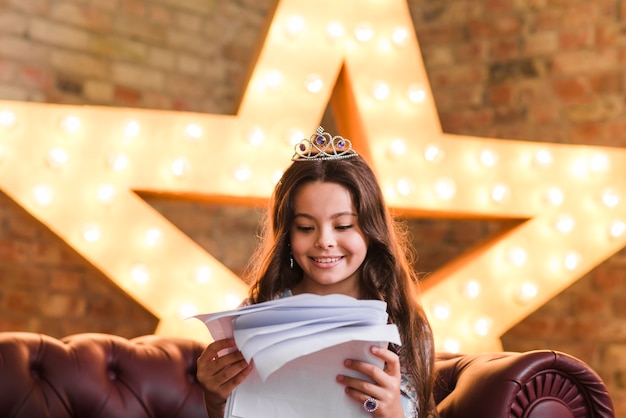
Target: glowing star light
(330, 48)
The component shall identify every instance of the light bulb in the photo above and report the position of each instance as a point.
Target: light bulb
(131, 129)
(43, 194)
(380, 90)
(313, 83)
(441, 310)
(106, 194)
(399, 36)
(599, 163)
(140, 274)
(242, 173)
(363, 32)
(91, 232)
(527, 292)
(500, 192)
(483, 325)
(294, 136)
(517, 256)
(445, 188)
(397, 148)
(180, 167)
(565, 223)
(202, 274)
(118, 162)
(232, 301)
(334, 30)
(404, 186)
(617, 229)
(7, 119)
(194, 131)
(554, 196)
(70, 124)
(571, 260)
(610, 198)
(187, 310)
(272, 80)
(153, 237)
(543, 158)
(416, 93)
(255, 136)
(471, 289)
(489, 158)
(295, 26)
(451, 345)
(433, 153)
(57, 157)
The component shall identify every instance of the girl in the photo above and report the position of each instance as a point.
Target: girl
(329, 231)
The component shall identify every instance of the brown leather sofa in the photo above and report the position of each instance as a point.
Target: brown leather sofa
(106, 376)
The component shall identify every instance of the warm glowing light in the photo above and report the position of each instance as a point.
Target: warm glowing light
(445, 188)
(416, 93)
(140, 274)
(70, 124)
(380, 90)
(397, 148)
(404, 186)
(617, 229)
(565, 223)
(7, 119)
(194, 131)
(400, 36)
(543, 158)
(599, 163)
(364, 32)
(91, 232)
(452, 345)
(441, 310)
(43, 195)
(483, 325)
(106, 194)
(500, 192)
(118, 162)
(180, 167)
(334, 30)
(242, 173)
(272, 81)
(131, 129)
(294, 136)
(202, 274)
(527, 292)
(471, 289)
(517, 256)
(154, 236)
(554, 196)
(433, 153)
(610, 198)
(57, 157)
(256, 136)
(295, 26)
(314, 83)
(489, 158)
(572, 260)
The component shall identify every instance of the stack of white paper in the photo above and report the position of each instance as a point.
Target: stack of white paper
(299, 344)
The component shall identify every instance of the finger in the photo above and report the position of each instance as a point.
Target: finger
(391, 359)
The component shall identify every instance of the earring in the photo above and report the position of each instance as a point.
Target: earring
(290, 261)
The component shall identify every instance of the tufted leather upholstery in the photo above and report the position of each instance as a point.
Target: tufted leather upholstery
(105, 376)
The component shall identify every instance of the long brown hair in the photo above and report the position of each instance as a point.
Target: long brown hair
(386, 272)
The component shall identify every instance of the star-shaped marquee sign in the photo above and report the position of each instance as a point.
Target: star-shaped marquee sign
(77, 169)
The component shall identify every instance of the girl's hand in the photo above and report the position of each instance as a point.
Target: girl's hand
(220, 375)
(386, 386)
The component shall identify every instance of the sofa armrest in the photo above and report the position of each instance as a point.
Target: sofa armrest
(533, 384)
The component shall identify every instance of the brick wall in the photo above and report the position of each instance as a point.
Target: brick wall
(538, 70)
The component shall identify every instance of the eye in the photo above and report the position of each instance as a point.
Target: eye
(343, 227)
(304, 228)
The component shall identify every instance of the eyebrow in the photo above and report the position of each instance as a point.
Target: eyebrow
(334, 216)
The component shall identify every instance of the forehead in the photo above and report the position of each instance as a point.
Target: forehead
(319, 195)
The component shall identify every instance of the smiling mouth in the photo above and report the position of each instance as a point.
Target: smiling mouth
(326, 259)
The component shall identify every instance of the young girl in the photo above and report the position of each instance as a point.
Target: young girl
(329, 231)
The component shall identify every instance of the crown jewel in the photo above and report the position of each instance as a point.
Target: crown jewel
(322, 146)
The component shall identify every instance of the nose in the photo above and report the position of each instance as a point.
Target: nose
(325, 239)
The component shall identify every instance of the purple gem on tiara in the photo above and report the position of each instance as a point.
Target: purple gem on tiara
(341, 144)
(302, 147)
(320, 140)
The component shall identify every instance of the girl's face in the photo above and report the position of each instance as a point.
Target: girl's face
(326, 240)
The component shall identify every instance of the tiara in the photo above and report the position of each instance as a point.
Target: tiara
(322, 146)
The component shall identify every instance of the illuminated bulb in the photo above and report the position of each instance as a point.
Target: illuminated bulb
(433, 153)
(334, 30)
(397, 148)
(451, 345)
(543, 158)
(131, 129)
(416, 93)
(471, 289)
(187, 310)
(527, 292)
(70, 124)
(489, 158)
(255, 136)
(140, 274)
(194, 131)
(294, 136)
(106, 194)
(404, 186)
(565, 223)
(314, 83)
(483, 325)
(91, 232)
(43, 195)
(441, 310)
(180, 167)
(272, 80)
(571, 261)
(295, 26)
(202, 274)
(599, 163)
(500, 192)
(232, 301)
(617, 229)
(445, 188)
(277, 176)
(153, 237)
(242, 173)
(610, 198)
(554, 196)
(399, 36)
(118, 162)
(517, 256)
(363, 32)
(57, 157)
(7, 119)
(380, 90)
